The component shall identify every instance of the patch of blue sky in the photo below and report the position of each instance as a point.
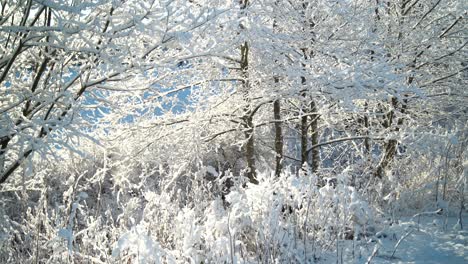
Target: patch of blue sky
(177, 103)
(93, 109)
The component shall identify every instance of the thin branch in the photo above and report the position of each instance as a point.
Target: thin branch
(443, 78)
(443, 56)
(427, 13)
(207, 139)
(450, 27)
(341, 140)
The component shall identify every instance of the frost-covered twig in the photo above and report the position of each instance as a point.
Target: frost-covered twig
(374, 253)
(399, 242)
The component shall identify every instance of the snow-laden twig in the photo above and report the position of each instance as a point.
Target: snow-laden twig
(399, 242)
(373, 255)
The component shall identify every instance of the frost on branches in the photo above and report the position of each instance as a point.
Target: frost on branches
(243, 131)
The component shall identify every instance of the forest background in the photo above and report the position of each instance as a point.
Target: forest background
(209, 131)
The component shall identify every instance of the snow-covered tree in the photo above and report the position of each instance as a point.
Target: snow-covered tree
(59, 61)
(209, 131)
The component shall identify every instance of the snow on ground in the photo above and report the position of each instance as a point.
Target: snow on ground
(432, 240)
(426, 240)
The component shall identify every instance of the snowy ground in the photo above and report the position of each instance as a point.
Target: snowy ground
(432, 240)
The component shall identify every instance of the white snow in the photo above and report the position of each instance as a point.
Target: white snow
(430, 241)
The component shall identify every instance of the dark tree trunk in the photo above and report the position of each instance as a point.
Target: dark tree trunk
(390, 147)
(315, 134)
(249, 150)
(304, 127)
(366, 127)
(278, 137)
(277, 118)
(3, 145)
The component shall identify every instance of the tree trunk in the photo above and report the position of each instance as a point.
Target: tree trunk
(315, 134)
(304, 126)
(307, 52)
(277, 118)
(366, 127)
(390, 147)
(278, 137)
(249, 150)
(3, 146)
